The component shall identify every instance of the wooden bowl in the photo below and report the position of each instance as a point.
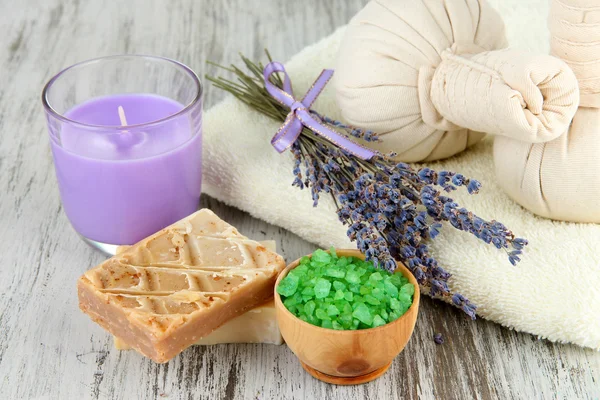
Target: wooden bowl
(346, 357)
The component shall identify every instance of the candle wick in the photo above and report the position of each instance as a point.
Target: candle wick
(122, 116)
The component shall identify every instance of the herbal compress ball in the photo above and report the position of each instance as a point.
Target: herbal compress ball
(429, 75)
(560, 179)
(344, 293)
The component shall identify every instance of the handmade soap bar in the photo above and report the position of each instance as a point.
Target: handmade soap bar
(178, 285)
(258, 325)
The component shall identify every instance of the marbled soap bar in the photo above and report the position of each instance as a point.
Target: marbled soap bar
(258, 325)
(171, 289)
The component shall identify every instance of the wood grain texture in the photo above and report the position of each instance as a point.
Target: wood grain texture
(50, 350)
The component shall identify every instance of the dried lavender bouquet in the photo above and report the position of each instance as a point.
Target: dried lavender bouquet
(391, 209)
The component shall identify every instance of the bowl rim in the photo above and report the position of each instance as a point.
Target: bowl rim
(355, 253)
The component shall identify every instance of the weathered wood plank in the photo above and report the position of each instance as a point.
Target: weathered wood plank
(49, 350)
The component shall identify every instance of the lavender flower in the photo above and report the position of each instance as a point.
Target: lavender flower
(392, 210)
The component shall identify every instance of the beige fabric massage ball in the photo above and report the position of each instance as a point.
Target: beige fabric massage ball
(385, 67)
(429, 75)
(560, 179)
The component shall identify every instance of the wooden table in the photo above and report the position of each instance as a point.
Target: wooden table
(50, 350)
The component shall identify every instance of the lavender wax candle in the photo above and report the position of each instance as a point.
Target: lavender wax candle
(125, 134)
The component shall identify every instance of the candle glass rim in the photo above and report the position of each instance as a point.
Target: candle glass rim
(186, 108)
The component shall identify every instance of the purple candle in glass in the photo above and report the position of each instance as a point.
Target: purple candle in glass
(125, 133)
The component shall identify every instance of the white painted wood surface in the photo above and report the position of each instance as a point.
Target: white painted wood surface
(50, 350)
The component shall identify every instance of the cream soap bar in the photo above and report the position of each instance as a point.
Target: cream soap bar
(258, 325)
(166, 292)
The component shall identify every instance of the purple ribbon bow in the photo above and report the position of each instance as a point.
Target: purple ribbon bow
(300, 115)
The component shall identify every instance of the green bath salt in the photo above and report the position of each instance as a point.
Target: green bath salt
(344, 293)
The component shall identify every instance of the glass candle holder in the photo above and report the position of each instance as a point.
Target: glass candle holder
(126, 138)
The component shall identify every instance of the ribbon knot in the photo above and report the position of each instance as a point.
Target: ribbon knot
(296, 105)
(300, 116)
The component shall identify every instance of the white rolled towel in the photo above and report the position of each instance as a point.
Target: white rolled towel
(430, 75)
(560, 179)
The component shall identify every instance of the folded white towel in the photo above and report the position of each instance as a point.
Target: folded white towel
(553, 293)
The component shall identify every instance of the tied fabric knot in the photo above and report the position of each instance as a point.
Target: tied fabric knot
(300, 116)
